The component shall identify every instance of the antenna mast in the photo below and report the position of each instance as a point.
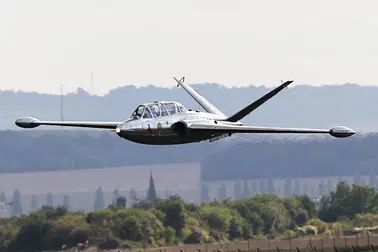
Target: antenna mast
(61, 104)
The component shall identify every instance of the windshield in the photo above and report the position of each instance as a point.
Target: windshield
(138, 112)
(180, 108)
(170, 107)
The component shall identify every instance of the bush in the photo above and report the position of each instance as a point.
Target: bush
(109, 244)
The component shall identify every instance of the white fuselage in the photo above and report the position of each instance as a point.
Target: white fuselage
(159, 131)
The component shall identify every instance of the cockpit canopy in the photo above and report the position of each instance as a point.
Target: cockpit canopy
(158, 109)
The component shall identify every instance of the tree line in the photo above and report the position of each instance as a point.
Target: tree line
(154, 222)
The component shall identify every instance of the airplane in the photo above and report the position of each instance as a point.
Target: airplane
(170, 123)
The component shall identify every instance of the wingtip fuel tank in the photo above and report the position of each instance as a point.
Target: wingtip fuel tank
(341, 131)
(27, 122)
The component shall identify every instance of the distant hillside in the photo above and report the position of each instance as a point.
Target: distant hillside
(306, 106)
(240, 157)
(280, 158)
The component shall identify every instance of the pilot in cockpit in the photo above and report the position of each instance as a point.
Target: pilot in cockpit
(147, 113)
(155, 110)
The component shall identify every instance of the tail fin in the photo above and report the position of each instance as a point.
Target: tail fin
(254, 105)
(201, 100)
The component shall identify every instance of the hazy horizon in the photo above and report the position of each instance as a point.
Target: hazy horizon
(46, 44)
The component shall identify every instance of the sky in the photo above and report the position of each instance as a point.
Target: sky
(48, 43)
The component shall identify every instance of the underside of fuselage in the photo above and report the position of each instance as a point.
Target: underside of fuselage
(163, 137)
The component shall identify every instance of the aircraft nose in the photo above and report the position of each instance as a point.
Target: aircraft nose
(122, 129)
(118, 130)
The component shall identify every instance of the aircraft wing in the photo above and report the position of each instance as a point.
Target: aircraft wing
(30, 122)
(222, 128)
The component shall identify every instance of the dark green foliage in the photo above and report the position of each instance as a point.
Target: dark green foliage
(172, 221)
(307, 204)
(31, 236)
(121, 202)
(301, 217)
(109, 244)
(175, 214)
(347, 201)
(195, 237)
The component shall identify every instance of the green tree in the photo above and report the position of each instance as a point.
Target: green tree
(16, 203)
(174, 211)
(121, 202)
(99, 200)
(347, 201)
(216, 217)
(309, 205)
(151, 194)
